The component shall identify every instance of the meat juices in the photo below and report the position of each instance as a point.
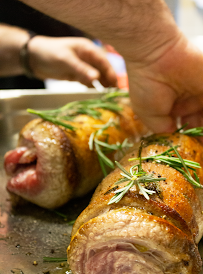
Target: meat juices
(140, 236)
(52, 164)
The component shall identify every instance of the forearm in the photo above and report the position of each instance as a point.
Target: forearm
(12, 40)
(131, 26)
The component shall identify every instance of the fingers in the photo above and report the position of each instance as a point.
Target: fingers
(81, 71)
(96, 57)
(188, 106)
(168, 88)
(74, 59)
(153, 117)
(154, 113)
(160, 124)
(190, 111)
(151, 100)
(194, 120)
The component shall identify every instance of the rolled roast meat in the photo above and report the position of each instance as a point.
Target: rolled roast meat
(154, 227)
(53, 164)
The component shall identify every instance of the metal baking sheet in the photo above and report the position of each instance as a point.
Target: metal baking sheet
(27, 232)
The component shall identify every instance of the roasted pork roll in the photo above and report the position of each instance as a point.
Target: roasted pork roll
(62, 155)
(146, 216)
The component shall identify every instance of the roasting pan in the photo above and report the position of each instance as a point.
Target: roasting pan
(29, 233)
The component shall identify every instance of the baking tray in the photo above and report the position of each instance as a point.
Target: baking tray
(29, 233)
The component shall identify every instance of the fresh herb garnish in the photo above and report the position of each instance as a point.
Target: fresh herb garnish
(51, 259)
(103, 147)
(71, 222)
(156, 139)
(197, 131)
(64, 217)
(178, 163)
(115, 94)
(136, 176)
(63, 115)
(51, 118)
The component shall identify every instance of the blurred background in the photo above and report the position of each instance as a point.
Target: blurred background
(190, 17)
(187, 13)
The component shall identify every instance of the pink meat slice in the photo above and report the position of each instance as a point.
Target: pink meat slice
(120, 259)
(25, 182)
(19, 165)
(20, 155)
(129, 241)
(38, 168)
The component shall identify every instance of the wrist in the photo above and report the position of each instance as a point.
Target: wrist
(12, 40)
(147, 33)
(25, 57)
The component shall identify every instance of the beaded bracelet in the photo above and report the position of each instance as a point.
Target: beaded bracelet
(24, 57)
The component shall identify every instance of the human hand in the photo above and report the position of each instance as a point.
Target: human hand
(168, 87)
(164, 69)
(74, 59)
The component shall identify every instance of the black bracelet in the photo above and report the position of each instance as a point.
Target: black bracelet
(24, 57)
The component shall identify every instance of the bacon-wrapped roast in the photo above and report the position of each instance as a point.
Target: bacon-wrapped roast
(53, 164)
(154, 227)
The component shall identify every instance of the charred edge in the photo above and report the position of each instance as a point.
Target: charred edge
(157, 140)
(156, 207)
(111, 190)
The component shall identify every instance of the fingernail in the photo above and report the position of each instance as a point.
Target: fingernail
(92, 74)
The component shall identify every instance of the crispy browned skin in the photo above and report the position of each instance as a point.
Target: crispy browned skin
(175, 213)
(64, 166)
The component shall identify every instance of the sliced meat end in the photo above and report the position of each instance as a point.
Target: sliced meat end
(18, 156)
(127, 241)
(25, 183)
(123, 258)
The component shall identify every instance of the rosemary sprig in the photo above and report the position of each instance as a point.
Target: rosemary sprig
(115, 94)
(51, 119)
(64, 217)
(178, 163)
(89, 107)
(103, 148)
(197, 131)
(63, 115)
(156, 139)
(136, 176)
(71, 222)
(51, 259)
